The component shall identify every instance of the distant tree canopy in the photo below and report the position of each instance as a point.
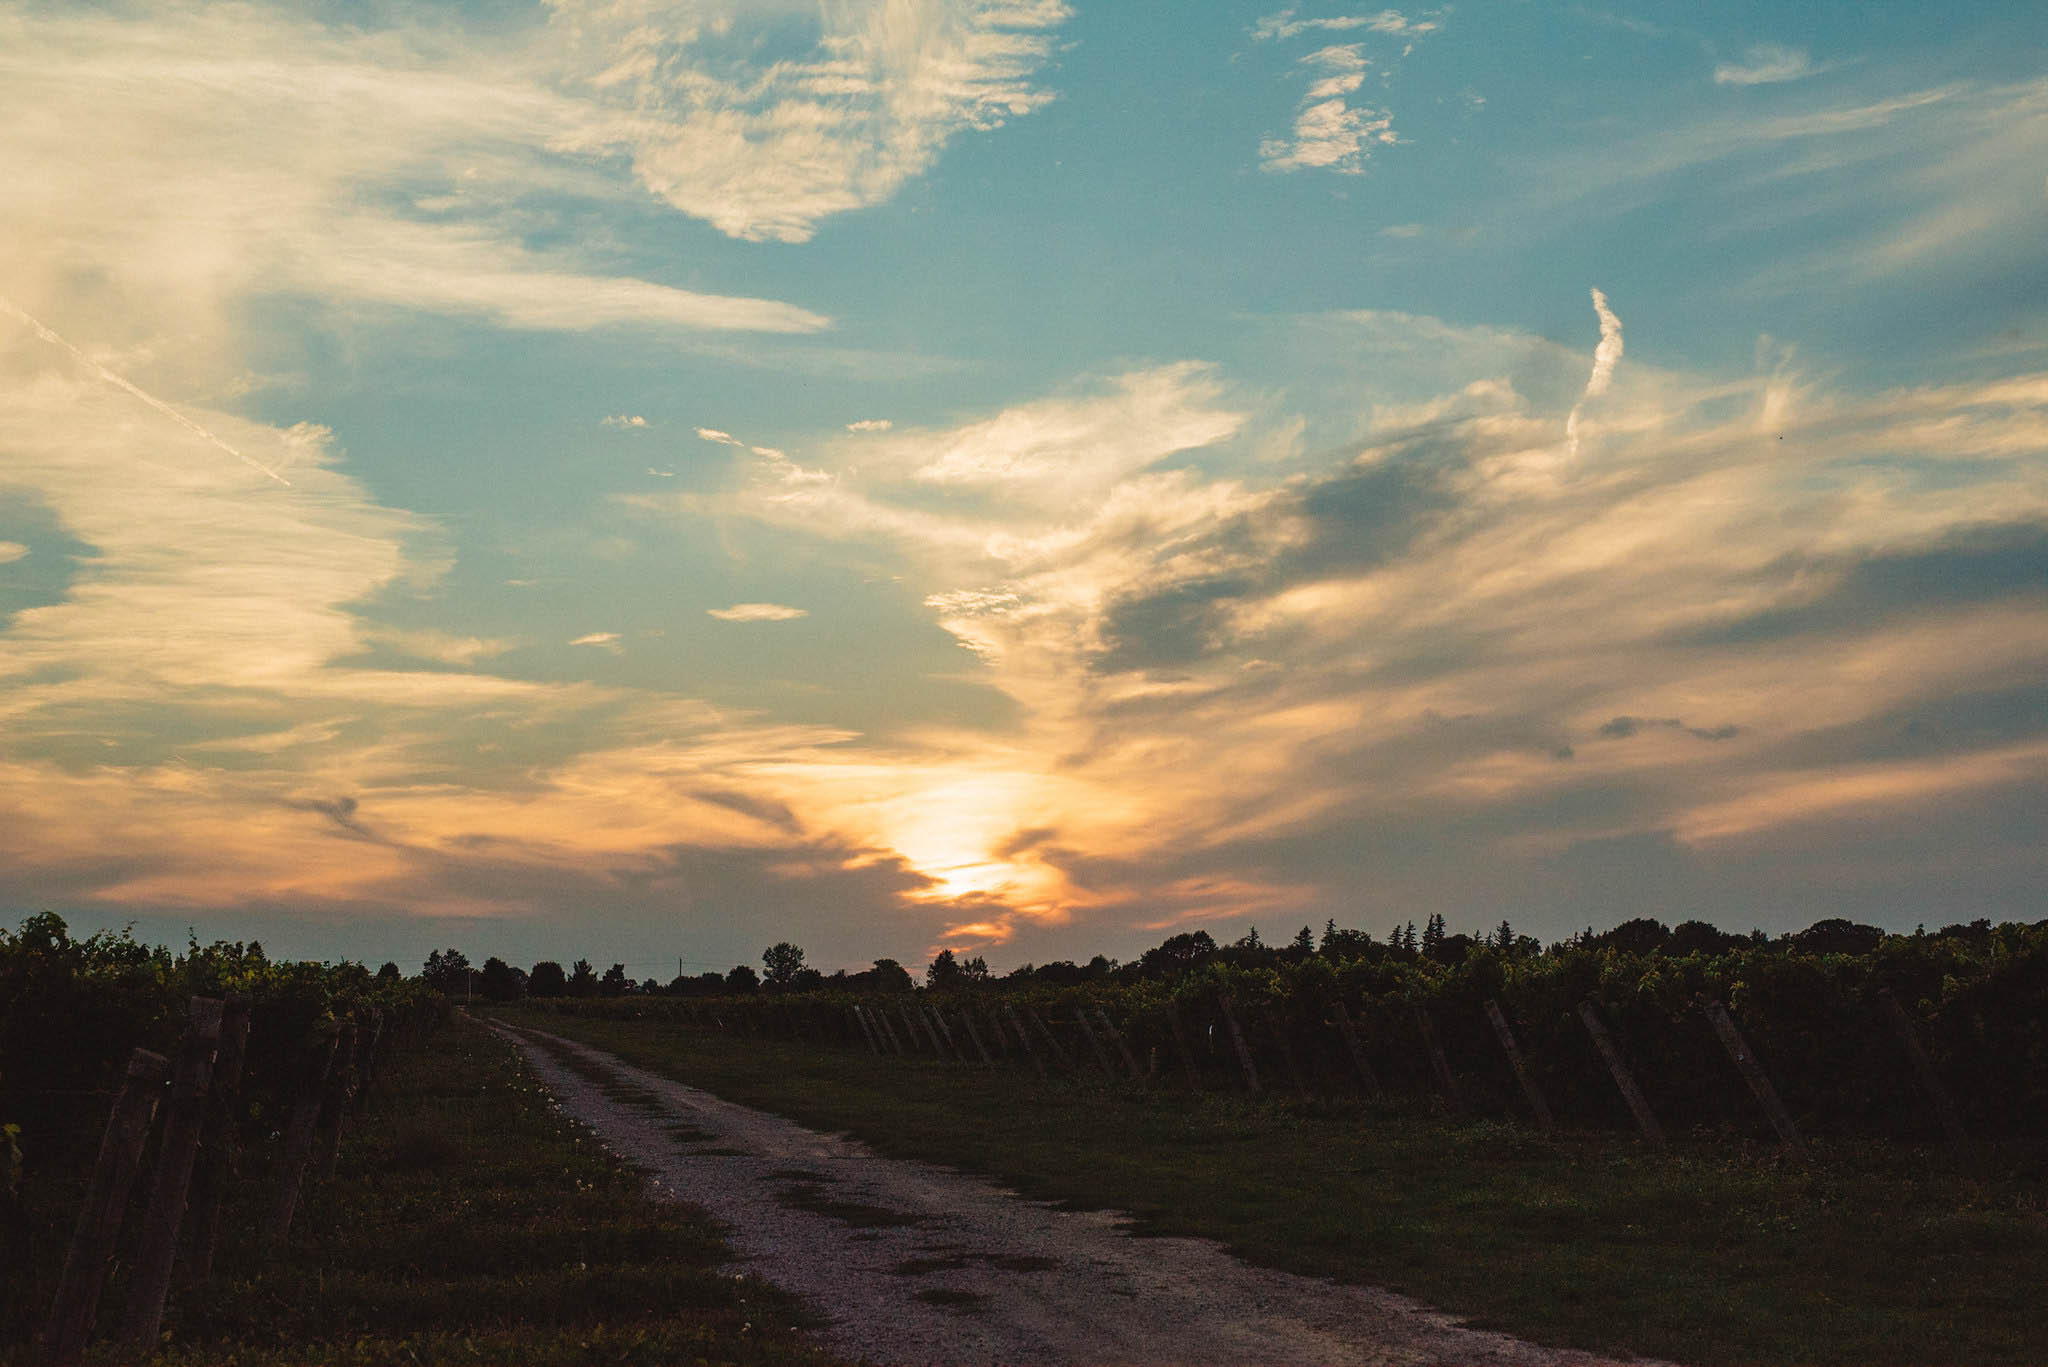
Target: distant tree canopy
(614, 983)
(446, 970)
(582, 979)
(390, 972)
(742, 979)
(547, 980)
(500, 982)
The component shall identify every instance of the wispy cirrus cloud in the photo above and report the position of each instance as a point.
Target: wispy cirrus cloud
(1333, 128)
(839, 118)
(1766, 64)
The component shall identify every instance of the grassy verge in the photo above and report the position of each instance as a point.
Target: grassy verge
(470, 1222)
(1710, 1252)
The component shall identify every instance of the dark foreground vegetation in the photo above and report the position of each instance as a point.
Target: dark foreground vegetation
(1709, 1249)
(465, 1219)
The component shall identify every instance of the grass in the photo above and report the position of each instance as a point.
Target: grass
(1711, 1251)
(471, 1222)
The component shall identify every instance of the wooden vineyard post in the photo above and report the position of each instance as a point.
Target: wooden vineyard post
(996, 1031)
(1095, 1045)
(1116, 1038)
(298, 1140)
(1023, 1037)
(1499, 1020)
(1244, 1052)
(217, 1142)
(1753, 1073)
(370, 1056)
(1180, 1046)
(341, 1093)
(866, 1033)
(946, 1032)
(928, 1015)
(1366, 1074)
(1638, 1105)
(99, 1223)
(1294, 1074)
(910, 1031)
(967, 1024)
(1052, 1043)
(1440, 1064)
(191, 1080)
(1930, 1081)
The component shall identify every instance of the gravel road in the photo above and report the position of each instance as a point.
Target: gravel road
(914, 1263)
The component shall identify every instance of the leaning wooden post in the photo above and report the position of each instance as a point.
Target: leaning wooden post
(1030, 1050)
(1294, 1074)
(1180, 1045)
(1095, 1045)
(997, 1031)
(99, 1223)
(910, 1030)
(341, 1094)
(1244, 1052)
(218, 1142)
(867, 1031)
(369, 1056)
(1930, 1081)
(1359, 1060)
(1753, 1073)
(299, 1135)
(889, 1030)
(1052, 1042)
(191, 1078)
(967, 1023)
(1515, 1060)
(1116, 1038)
(1440, 1063)
(1623, 1078)
(953, 1049)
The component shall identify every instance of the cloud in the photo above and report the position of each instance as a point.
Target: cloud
(243, 153)
(839, 118)
(11, 551)
(1765, 64)
(623, 420)
(1284, 24)
(1329, 132)
(722, 438)
(1605, 357)
(608, 640)
(870, 425)
(758, 612)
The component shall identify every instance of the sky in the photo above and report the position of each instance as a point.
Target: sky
(645, 479)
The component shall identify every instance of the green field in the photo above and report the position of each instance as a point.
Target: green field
(1710, 1251)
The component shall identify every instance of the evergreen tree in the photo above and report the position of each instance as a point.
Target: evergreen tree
(582, 979)
(1305, 942)
(1433, 936)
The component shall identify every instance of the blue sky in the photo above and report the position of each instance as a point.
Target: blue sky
(644, 479)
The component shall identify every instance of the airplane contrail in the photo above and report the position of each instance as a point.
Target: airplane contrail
(9, 306)
(1604, 357)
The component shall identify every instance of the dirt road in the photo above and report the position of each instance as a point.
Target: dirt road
(913, 1263)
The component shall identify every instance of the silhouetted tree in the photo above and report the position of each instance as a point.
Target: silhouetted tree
(389, 972)
(783, 962)
(1304, 943)
(547, 980)
(1433, 936)
(742, 979)
(1176, 954)
(1836, 936)
(1700, 937)
(614, 983)
(447, 970)
(886, 976)
(499, 981)
(582, 979)
(942, 972)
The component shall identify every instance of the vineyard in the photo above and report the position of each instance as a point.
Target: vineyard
(1910, 1037)
(137, 1085)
